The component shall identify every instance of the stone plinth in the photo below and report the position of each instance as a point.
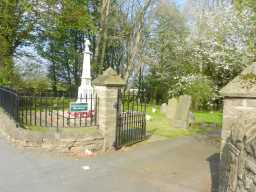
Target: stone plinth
(106, 87)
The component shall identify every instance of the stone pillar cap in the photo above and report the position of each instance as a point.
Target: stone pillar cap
(109, 78)
(244, 85)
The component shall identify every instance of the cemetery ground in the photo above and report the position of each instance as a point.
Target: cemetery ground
(158, 125)
(205, 122)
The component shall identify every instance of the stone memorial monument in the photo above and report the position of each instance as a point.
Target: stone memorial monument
(86, 90)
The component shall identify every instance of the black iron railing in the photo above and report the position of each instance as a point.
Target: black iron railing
(43, 111)
(9, 101)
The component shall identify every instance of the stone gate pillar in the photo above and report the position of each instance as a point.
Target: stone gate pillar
(238, 149)
(239, 98)
(106, 87)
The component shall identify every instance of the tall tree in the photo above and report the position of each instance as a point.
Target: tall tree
(121, 36)
(63, 27)
(166, 49)
(17, 21)
(101, 41)
(222, 43)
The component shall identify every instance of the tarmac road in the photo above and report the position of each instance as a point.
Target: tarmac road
(184, 165)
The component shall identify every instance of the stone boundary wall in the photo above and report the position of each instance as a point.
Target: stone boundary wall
(50, 141)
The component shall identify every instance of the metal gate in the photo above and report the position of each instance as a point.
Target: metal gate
(131, 118)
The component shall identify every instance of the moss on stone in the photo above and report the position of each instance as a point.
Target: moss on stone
(109, 78)
(248, 80)
(250, 77)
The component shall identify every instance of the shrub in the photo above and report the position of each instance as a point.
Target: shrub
(199, 87)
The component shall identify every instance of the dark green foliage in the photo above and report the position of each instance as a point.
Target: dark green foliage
(61, 41)
(245, 4)
(17, 20)
(170, 59)
(202, 93)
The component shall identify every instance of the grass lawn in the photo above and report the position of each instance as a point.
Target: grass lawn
(209, 117)
(159, 124)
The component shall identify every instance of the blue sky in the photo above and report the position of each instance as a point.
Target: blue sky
(180, 2)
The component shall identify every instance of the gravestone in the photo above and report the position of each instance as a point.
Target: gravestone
(171, 109)
(163, 108)
(182, 117)
(154, 109)
(178, 111)
(191, 118)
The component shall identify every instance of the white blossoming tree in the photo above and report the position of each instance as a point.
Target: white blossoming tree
(223, 43)
(215, 44)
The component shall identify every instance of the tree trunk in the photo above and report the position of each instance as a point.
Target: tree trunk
(101, 42)
(54, 79)
(137, 36)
